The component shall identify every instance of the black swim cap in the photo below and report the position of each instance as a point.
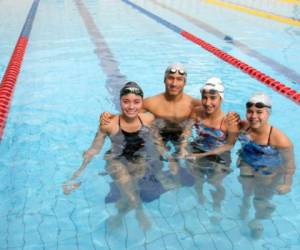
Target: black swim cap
(131, 88)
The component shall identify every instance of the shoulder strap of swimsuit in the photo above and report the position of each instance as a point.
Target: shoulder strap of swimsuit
(269, 138)
(222, 122)
(140, 120)
(119, 122)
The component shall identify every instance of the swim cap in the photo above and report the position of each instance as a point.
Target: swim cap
(214, 84)
(260, 99)
(131, 88)
(176, 67)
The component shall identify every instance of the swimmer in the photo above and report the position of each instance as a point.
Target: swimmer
(129, 133)
(266, 162)
(264, 147)
(212, 129)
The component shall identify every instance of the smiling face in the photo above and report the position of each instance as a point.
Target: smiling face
(211, 102)
(257, 117)
(174, 83)
(131, 105)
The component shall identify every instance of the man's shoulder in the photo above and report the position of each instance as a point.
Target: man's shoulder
(152, 101)
(147, 118)
(154, 97)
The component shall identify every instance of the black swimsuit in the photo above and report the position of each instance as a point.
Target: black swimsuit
(133, 141)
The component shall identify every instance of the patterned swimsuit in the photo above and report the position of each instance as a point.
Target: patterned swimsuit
(207, 139)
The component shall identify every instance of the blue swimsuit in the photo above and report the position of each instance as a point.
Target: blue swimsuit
(259, 156)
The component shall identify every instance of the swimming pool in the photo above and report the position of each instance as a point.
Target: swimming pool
(79, 54)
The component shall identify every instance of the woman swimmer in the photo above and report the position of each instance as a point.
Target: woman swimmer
(211, 129)
(264, 148)
(128, 133)
(266, 155)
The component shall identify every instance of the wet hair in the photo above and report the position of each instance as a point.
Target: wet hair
(131, 88)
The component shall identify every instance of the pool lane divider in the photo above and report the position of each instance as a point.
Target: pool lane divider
(12, 71)
(253, 72)
(255, 12)
(276, 66)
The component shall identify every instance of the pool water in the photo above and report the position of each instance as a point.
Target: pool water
(79, 55)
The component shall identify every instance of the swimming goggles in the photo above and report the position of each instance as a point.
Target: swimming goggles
(211, 91)
(132, 90)
(258, 105)
(174, 70)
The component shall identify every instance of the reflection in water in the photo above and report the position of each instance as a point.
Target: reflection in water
(210, 170)
(145, 182)
(143, 177)
(126, 175)
(261, 185)
(133, 164)
(170, 135)
(261, 188)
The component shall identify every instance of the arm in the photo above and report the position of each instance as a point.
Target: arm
(94, 149)
(158, 141)
(105, 119)
(196, 102)
(186, 134)
(281, 141)
(96, 144)
(289, 170)
(226, 147)
(148, 104)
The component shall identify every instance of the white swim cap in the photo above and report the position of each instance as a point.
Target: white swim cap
(214, 84)
(260, 100)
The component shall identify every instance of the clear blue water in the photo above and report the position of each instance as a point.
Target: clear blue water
(54, 115)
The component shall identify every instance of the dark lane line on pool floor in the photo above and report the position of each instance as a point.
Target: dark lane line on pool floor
(276, 66)
(108, 63)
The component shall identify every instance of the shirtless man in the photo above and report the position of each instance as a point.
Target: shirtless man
(172, 105)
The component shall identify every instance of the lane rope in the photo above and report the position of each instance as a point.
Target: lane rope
(12, 71)
(276, 66)
(253, 72)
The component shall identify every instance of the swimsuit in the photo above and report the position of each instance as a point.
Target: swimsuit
(130, 144)
(207, 139)
(259, 156)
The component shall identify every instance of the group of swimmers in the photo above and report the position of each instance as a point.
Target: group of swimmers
(172, 126)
